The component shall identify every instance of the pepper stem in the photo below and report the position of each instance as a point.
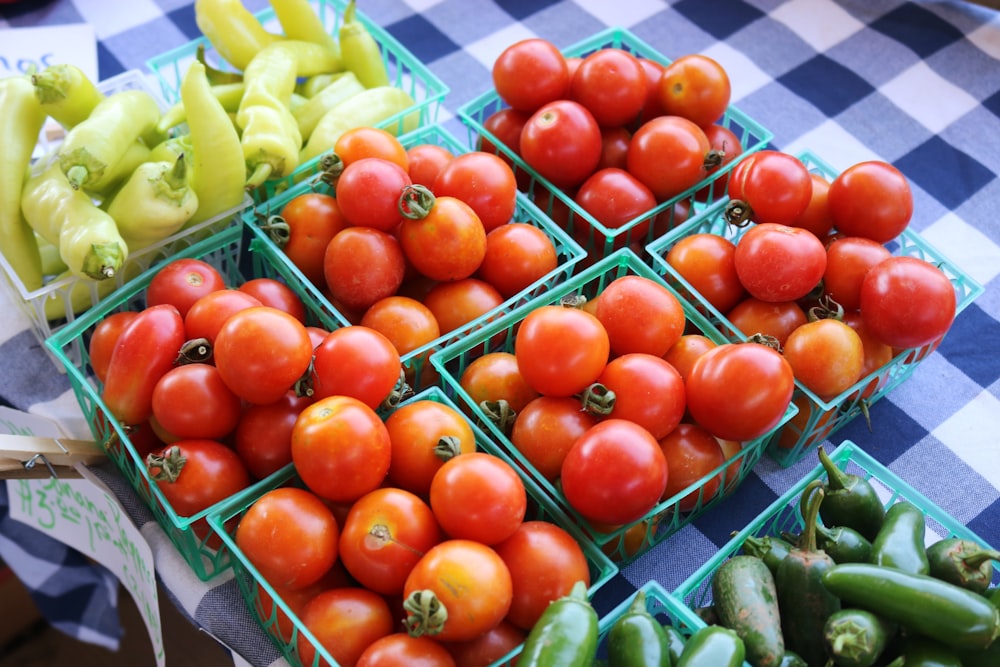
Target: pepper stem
(838, 479)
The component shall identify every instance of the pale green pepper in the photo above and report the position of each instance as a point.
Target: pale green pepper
(370, 107)
(154, 203)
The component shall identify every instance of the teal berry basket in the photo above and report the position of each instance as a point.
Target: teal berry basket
(405, 71)
(280, 622)
(598, 239)
(818, 419)
(64, 297)
(627, 542)
(419, 373)
(784, 515)
(664, 606)
(239, 258)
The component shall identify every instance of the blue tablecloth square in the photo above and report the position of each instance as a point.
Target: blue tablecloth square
(423, 38)
(183, 17)
(717, 21)
(918, 28)
(868, 120)
(841, 87)
(965, 341)
(947, 173)
(892, 432)
(107, 64)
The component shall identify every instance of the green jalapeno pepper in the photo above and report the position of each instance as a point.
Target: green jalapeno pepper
(856, 637)
(745, 599)
(713, 646)
(565, 635)
(850, 500)
(637, 639)
(962, 562)
(900, 541)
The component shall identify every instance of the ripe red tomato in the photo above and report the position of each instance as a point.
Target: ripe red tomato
(263, 436)
(104, 338)
(561, 350)
(340, 448)
(562, 142)
(707, 262)
(779, 263)
(368, 141)
(692, 452)
(457, 302)
(505, 125)
(383, 537)
(652, 106)
(775, 319)
(407, 323)
(695, 87)
(848, 260)
(871, 199)
(478, 496)
(207, 315)
(423, 435)
(261, 353)
(633, 380)
(426, 162)
(368, 192)
(615, 472)
(363, 265)
(276, 294)
(443, 238)
(518, 254)
(192, 401)
(469, 580)
(530, 73)
(816, 217)
(739, 391)
(684, 352)
(495, 377)
(313, 218)
(907, 302)
(356, 361)
(345, 621)
(181, 282)
(611, 84)
(545, 430)
(545, 561)
(290, 536)
(768, 186)
(614, 197)
(826, 355)
(640, 315)
(877, 354)
(193, 475)
(483, 181)
(668, 155)
(487, 648)
(614, 147)
(401, 650)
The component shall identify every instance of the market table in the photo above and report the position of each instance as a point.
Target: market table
(913, 83)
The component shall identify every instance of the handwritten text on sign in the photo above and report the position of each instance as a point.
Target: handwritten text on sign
(81, 514)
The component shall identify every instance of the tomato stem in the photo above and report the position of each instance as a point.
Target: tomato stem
(765, 340)
(331, 167)
(447, 447)
(826, 309)
(399, 393)
(416, 202)
(381, 532)
(426, 615)
(738, 213)
(304, 385)
(573, 301)
(170, 463)
(194, 351)
(598, 400)
(278, 230)
(500, 414)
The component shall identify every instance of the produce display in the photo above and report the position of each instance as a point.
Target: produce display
(424, 397)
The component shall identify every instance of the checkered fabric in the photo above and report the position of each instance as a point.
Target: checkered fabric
(913, 83)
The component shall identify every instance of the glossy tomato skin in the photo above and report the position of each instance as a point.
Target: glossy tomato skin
(367, 141)
(407, 323)
(518, 254)
(668, 155)
(192, 401)
(545, 430)
(276, 294)
(695, 87)
(426, 162)
(368, 192)
(356, 361)
(768, 186)
(145, 350)
(401, 650)
(544, 562)
(483, 181)
(207, 315)
(707, 262)
(104, 338)
(345, 621)
(778, 262)
(647, 390)
(363, 265)
(263, 436)
(530, 73)
(261, 353)
(907, 302)
(340, 448)
(478, 496)
(196, 474)
(562, 142)
(561, 350)
(290, 536)
(456, 303)
(615, 197)
(640, 315)
(871, 199)
(495, 377)
(423, 435)
(383, 536)
(488, 647)
(615, 472)
(826, 355)
(848, 260)
(739, 391)
(181, 282)
(611, 84)
(447, 243)
(777, 319)
(691, 453)
(313, 218)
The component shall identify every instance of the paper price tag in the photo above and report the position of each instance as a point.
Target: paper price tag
(22, 49)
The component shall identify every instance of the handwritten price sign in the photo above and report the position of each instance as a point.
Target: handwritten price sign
(84, 515)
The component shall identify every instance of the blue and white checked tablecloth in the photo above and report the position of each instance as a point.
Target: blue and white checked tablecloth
(914, 83)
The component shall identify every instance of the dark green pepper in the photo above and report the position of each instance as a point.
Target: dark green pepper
(637, 639)
(900, 542)
(856, 638)
(850, 500)
(924, 652)
(564, 635)
(962, 562)
(989, 657)
(769, 548)
(844, 544)
(804, 601)
(920, 603)
(712, 646)
(745, 600)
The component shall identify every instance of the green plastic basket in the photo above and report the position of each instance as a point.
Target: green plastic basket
(568, 252)
(662, 520)
(598, 239)
(405, 70)
(66, 298)
(249, 580)
(783, 515)
(663, 605)
(818, 419)
(238, 259)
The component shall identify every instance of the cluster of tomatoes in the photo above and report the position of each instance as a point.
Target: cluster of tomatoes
(617, 133)
(634, 409)
(417, 241)
(811, 271)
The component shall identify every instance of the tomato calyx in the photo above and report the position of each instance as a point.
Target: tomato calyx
(500, 414)
(305, 386)
(194, 351)
(383, 535)
(170, 463)
(399, 393)
(766, 340)
(277, 229)
(827, 308)
(416, 202)
(738, 213)
(331, 166)
(714, 158)
(598, 400)
(573, 301)
(426, 614)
